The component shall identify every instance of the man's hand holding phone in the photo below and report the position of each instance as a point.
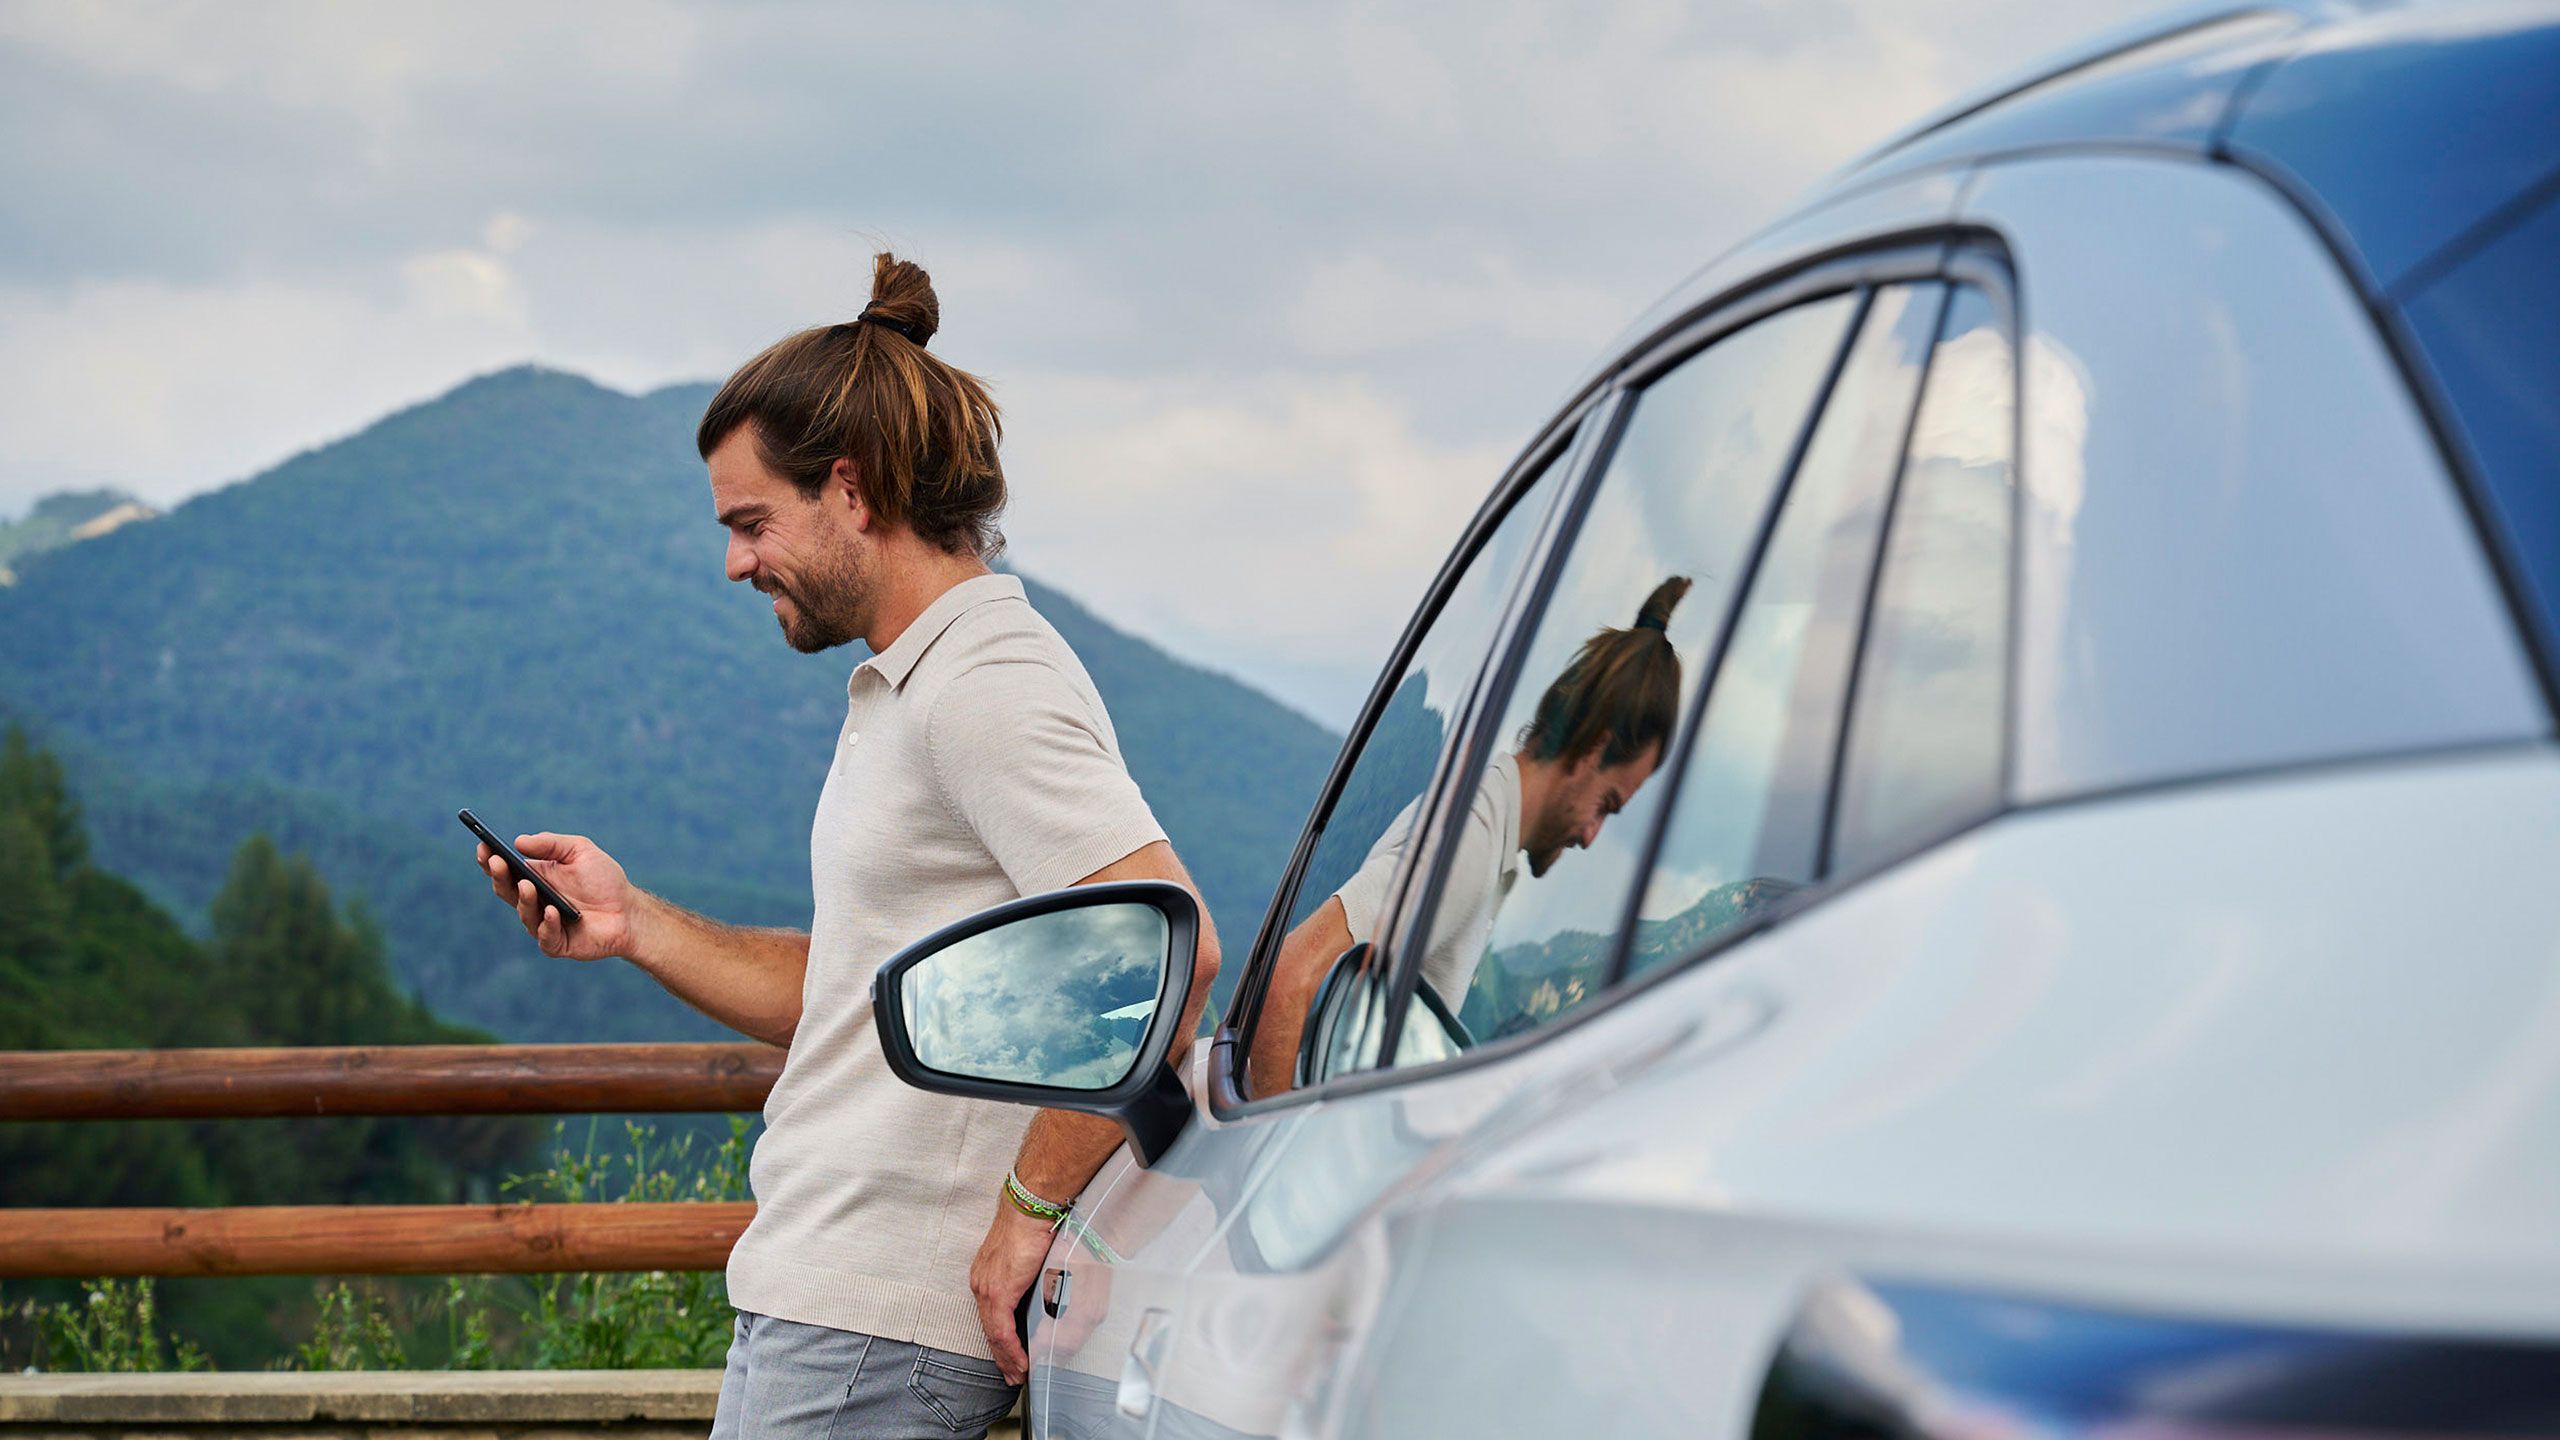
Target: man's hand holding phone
(585, 876)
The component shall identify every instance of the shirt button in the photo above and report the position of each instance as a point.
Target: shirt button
(851, 736)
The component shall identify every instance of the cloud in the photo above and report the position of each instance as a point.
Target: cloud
(1057, 999)
(1303, 512)
(1198, 245)
(167, 389)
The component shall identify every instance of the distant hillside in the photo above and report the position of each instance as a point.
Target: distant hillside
(61, 518)
(511, 598)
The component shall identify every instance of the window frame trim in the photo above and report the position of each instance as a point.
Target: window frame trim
(1893, 261)
(1985, 270)
(1562, 441)
(1953, 252)
(1693, 716)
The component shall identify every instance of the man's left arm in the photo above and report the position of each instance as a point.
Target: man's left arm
(1064, 1148)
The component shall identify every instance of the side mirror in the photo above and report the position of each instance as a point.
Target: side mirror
(1346, 1023)
(1068, 1001)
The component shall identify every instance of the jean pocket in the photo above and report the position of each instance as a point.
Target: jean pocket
(969, 1395)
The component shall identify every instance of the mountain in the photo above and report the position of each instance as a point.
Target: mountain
(1524, 985)
(66, 516)
(511, 598)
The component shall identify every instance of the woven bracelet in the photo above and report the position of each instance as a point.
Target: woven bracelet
(1021, 1198)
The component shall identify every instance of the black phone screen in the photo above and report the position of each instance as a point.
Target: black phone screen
(522, 867)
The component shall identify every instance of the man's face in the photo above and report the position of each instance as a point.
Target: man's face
(1587, 793)
(808, 554)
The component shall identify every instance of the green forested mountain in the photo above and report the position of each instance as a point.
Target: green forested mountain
(87, 961)
(511, 598)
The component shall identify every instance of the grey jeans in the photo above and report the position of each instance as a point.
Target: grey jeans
(789, 1381)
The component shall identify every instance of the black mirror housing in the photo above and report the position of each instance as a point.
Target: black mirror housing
(1149, 1103)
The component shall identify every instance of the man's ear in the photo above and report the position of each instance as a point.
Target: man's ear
(844, 488)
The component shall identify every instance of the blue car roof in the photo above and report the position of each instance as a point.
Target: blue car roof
(2403, 127)
(2423, 140)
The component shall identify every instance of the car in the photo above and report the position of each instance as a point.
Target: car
(2059, 931)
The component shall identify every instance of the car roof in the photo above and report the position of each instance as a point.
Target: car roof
(2402, 127)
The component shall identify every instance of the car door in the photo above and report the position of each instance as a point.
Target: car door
(1109, 1356)
(2115, 1035)
(1712, 457)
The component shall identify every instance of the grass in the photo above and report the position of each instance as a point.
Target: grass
(583, 1321)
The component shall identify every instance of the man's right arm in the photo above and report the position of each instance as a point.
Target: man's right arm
(1305, 957)
(745, 977)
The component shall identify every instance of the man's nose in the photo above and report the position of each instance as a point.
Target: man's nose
(741, 559)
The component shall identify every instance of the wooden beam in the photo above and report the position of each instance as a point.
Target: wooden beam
(370, 1239)
(384, 1080)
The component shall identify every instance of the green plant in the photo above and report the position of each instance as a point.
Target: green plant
(114, 1327)
(467, 1344)
(646, 1320)
(580, 1321)
(354, 1331)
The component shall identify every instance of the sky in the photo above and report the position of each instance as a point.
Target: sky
(1270, 293)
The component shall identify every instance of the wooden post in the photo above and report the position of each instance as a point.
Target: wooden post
(370, 1239)
(384, 1080)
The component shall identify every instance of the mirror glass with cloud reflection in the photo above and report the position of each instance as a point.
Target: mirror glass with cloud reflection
(1060, 999)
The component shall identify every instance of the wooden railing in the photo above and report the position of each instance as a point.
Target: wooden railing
(377, 1239)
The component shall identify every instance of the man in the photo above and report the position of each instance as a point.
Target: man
(1599, 731)
(857, 477)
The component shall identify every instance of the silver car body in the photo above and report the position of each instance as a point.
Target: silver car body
(2242, 1010)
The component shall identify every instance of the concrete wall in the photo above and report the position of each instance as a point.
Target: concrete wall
(368, 1405)
(363, 1405)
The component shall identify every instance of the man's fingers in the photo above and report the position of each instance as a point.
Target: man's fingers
(553, 936)
(529, 905)
(995, 1316)
(545, 846)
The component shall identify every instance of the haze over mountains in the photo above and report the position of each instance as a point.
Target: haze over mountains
(511, 598)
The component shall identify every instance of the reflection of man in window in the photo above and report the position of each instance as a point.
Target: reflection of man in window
(1598, 733)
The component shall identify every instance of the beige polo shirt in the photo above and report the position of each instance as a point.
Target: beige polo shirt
(976, 764)
(1487, 865)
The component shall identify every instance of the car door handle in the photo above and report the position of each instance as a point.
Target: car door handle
(1055, 1283)
(1139, 1373)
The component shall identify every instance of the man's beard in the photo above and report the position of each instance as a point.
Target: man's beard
(826, 603)
(1542, 858)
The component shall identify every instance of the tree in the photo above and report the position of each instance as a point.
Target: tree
(31, 783)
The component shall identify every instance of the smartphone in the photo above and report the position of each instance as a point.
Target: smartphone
(523, 867)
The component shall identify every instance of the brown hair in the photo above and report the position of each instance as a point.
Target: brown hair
(1622, 689)
(921, 434)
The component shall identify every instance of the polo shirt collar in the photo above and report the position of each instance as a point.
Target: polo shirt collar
(894, 664)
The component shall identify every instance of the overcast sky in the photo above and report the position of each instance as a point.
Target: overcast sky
(1270, 292)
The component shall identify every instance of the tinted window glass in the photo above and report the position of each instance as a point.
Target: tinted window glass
(1747, 825)
(2238, 546)
(1925, 727)
(2492, 328)
(1539, 880)
(1375, 808)
(1397, 754)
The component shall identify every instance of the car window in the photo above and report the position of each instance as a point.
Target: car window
(1925, 745)
(1375, 806)
(1746, 822)
(1542, 860)
(1654, 571)
(2238, 544)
